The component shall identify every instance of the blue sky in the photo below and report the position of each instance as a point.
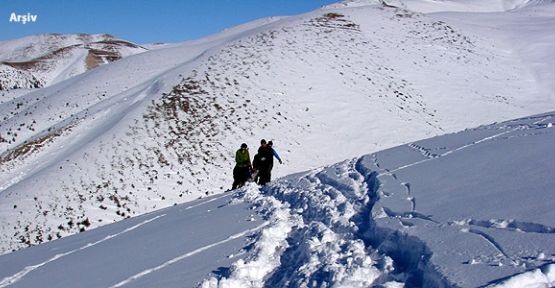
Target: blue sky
(143, 21)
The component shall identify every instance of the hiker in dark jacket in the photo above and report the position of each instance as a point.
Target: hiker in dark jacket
(241, 172)
(264, 162)
(274, 153)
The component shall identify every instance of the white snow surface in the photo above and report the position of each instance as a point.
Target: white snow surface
(43, 60)
(430, 6)
(161, 127)
(469, 209)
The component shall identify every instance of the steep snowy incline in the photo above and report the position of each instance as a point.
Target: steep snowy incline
(32, 47)
(75, 115)
(524, 31)
(161, 127)
(470, 209)
(166, 248)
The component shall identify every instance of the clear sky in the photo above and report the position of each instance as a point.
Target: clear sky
(143, 21)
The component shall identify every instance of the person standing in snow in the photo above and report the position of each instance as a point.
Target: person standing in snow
(274, 153)
(264, 162)
(243, 167)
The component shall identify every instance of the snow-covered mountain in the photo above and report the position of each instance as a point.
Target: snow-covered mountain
(161, 127)
(43, 60)
(469, 209)
(472, 6)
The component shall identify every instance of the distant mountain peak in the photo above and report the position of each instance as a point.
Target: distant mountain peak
(426, 6)
(41, 60)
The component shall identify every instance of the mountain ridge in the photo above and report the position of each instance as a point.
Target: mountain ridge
(45, 59)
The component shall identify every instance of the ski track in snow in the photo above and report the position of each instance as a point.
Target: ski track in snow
(511, 225)
(21, 274)
(490, 240)
(336, 206)
(430, 156)
(186, 255)
(210, 200)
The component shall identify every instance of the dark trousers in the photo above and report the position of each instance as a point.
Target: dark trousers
(264, 176)
(240, 176)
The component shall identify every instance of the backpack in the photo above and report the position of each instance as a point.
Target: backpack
(242, 158)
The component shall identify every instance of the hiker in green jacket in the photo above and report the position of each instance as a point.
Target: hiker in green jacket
(243, 167)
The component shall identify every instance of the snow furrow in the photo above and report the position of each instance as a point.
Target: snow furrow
(490, 240)
(326, 244)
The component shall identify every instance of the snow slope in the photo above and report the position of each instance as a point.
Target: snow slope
(479, 6)
(161, 243)
(469, 209)
(161, 127)
(42, 60)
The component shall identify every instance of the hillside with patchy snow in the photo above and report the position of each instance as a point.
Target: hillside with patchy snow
(161, 127)
(468, 209)
(43, 60)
